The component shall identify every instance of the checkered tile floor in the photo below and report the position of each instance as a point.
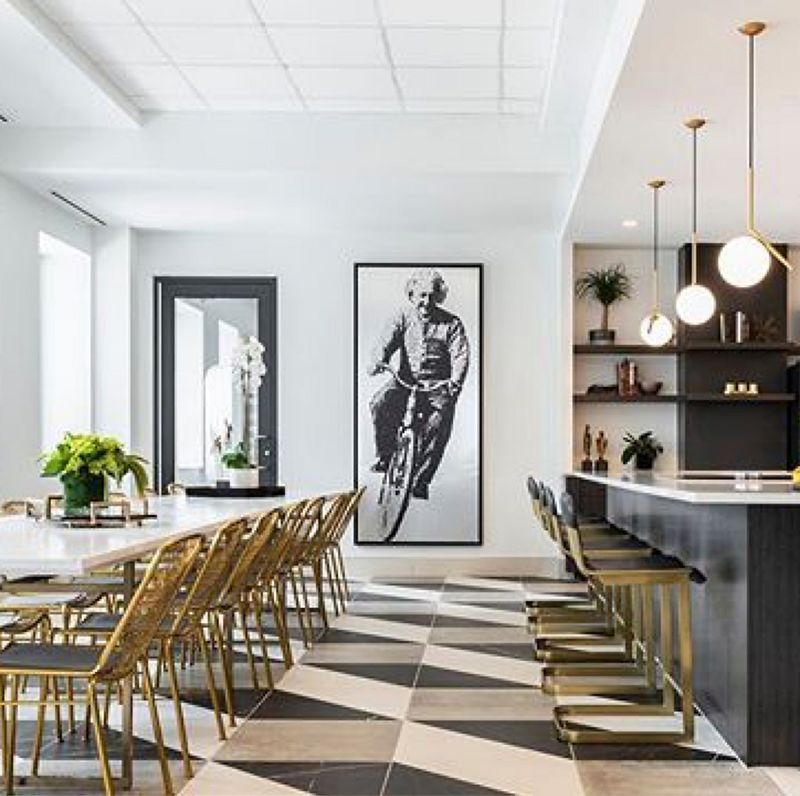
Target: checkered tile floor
(422, 688)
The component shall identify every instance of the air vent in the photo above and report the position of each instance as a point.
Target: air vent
(75, 206)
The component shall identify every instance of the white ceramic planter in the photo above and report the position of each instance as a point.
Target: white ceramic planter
(245, 478)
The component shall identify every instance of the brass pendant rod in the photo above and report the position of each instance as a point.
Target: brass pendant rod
(694, 205)
(655, 185)
(751, 30)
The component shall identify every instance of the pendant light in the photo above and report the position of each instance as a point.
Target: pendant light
(695, 304)
(745, 260)
(656, 329)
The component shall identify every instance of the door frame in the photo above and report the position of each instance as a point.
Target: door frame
(165, 290)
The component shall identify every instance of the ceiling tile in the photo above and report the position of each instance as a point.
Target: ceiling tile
(364, 83)
(451, 106)
(527, 107)
(444, 47)
(116, 43)
(148, 79)
(453, 13)
(99, 11)
(255, 104)
(220, 44)
(527, 46)
(232, 82)
(194, 12)
(524, 83)
(317, 12)
(448, 83)
(167, 103)
(353, 106)
(531, 13)
(329, 46)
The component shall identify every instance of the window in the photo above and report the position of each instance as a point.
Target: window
(65, 340)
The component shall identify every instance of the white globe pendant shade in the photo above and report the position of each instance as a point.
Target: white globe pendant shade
(743, 261)
(695, 304)
(656, 329)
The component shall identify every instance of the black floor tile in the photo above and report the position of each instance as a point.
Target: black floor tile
(334, 636)
(423, 620)
(434, 677)
(244, 699)
(395, 673)
(538, 736)
(442, 620)
(324, 779)
(283, 705)
(522, 651)
(408, 781)
(374, 597)
(655, 752)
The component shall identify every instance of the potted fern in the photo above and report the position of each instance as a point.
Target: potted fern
(85, 462)
(606, 287)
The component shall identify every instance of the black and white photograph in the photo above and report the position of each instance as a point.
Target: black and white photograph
(418, 403)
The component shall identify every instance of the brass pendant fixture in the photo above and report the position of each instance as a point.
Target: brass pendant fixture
(745, 260)
(694, 304)
(656, 328)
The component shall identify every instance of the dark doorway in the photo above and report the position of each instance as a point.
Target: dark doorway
(200, 325)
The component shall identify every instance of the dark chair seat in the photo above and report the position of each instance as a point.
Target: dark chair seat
(614, 543)
(50, 658)
(652, 563)
(107, 623)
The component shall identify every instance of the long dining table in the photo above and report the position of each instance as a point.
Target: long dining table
(41, 547)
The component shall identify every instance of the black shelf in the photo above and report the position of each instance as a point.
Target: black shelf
(698, 345)
(761, 398)
(602, 398)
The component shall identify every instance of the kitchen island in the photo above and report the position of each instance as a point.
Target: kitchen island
(743, 535)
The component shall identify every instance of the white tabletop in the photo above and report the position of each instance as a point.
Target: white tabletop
(31, 547)
(701, 490)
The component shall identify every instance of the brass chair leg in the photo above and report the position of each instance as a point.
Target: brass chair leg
(212, 686)
(227, 669)
(334, 586)
(345, 584)
(100, 738)
(176, 701)
(278, 608)
(44, 687)
(306, 604)
(12, 734)
(4, 727)
(251, 661)
(57, 711)
(258, 606)
(687, 657)
(298, 609)
(147, 685)
(323, 612)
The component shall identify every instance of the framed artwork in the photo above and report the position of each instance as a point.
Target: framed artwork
(418, 403)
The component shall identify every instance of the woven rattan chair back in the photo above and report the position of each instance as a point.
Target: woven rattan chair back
(212, 569)
(148, 607)
(249, 562)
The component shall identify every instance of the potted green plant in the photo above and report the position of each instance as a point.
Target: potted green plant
(85, 462)
(644, 450)
(241, 473)
(605, 286)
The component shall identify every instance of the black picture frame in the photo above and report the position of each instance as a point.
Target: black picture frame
(165, 290)
(358, 269)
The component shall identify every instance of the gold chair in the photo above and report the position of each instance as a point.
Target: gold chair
(184, 625)
(656, 571)
(125, 649)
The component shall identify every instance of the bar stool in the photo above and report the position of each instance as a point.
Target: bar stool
(611, 616)
(669, 576)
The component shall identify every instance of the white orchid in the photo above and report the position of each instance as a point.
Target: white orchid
(248, 365)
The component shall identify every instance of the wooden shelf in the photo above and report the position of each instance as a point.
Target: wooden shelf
(614, 350)
(604, 398)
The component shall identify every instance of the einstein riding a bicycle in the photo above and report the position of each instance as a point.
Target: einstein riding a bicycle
(432, 353)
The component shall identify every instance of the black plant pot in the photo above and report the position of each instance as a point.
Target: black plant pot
(602, 336)
(644, 462)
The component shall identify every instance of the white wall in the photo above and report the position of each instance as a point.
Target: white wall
(616, 419)
(23, 216)
(112, 255)
(315, 282)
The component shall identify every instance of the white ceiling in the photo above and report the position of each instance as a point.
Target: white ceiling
(430, 56)
(687, 59)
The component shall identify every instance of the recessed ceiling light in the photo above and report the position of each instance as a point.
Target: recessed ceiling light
(630, 223)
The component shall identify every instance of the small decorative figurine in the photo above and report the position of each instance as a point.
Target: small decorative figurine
(586, 464)
(601, 463)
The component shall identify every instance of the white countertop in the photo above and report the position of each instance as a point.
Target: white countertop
(694, 490)
(30, 547)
